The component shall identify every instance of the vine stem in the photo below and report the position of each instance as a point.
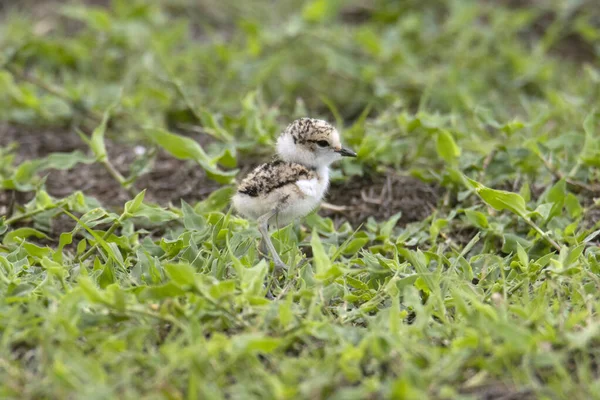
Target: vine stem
(118, 177)
(542, 233)
(106, 235)
(33, 213)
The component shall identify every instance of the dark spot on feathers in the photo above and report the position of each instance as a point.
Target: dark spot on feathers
(273, 175)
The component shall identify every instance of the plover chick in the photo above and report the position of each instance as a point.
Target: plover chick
(293, 185)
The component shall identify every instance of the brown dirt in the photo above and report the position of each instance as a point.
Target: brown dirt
(498, 391)
(169, 181)
(380, 197)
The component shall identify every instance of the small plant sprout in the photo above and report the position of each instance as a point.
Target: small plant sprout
(292, 185)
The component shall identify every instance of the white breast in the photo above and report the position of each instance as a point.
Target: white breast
(315, 188)
(297, 206)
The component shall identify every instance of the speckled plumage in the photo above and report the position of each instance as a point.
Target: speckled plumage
(272, 176)
(309, 131)
(294, 184)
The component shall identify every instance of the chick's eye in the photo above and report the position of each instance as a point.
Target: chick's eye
(322, 143)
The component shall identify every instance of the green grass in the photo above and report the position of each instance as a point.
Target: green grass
(494, 294)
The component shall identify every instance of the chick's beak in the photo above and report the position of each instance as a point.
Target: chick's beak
(345, 152)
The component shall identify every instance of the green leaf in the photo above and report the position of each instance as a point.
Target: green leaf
(255, 343)
(390, 224)
(191, 220)
(227, 158)
(572, 205)
(591, 236)
(511, 243)
(216, 201)
(222, 289)
(322, 261)
(356, 244)
(168, 290)
(36, 251)
(107, 277)
(132, 206)
(23, 233)
(155, 214)
(187, 149)
(477, 218)
(500, 199)
(178, 146)
(54, 268)
(320, 10)
(556, 196)
(253, 278)
(25, 173)
(97, 140)
(436, 227)
(91, 291)
(446, 147)
(523, 257)
(590, 153)
(182, 274)
(66, 238)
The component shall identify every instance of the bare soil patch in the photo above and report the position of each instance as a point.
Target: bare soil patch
(499, 391)
(169, 181)
(381, 196)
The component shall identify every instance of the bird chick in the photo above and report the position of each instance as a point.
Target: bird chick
(293, 185)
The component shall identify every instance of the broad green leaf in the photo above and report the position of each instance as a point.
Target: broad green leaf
(222, 289)
(356, 244)
(322, 261)
(26, 171)
(66, 238)
(187, 149)
(320, 10)
(54, 268)
(155, 214)
(523, 257)
(286, 314)
(179, 146)
(227, 158)
(253, 278)
(446, 147)
(3, 226)
(23, 233)
(590, 153)
(36, 251)
(157, 293)
(512, 241)
(182, 274)
(572, 205)
(255, 343)
(91, 291)
(591, 236)
(388, 227)
(96, 142)
(500, 199)
(191, 220)
(436, 227)
(477, 218)
(216, 201)
(132, 206)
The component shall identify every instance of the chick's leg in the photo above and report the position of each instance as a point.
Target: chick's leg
(263, 227)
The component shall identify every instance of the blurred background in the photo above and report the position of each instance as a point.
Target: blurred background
(230, 75)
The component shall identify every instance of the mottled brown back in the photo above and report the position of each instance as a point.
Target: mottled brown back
(273, 175)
